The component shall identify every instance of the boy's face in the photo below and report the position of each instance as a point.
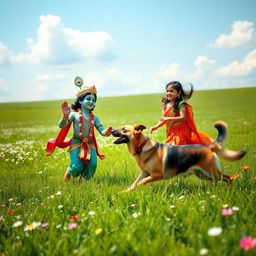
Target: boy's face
(88, 102)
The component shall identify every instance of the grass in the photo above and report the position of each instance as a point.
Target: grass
(164, 218)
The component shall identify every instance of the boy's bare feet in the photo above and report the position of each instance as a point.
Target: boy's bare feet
(67, 176)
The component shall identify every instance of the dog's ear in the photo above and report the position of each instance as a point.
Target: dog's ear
(138, 128)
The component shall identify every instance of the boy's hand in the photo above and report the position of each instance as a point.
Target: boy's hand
(65, 109)
(108, 131)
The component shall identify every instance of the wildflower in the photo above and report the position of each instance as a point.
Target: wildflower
(1, 218)
(58, 193)
(133, 205)
(3, 205)
(44, 224)
(203, 251)
(74, 218)
(91, 213)
(247, 243)
(234, 176)
(72, 226)
(172, 206)
(32, 226)
(226, 212)
(135, 215)
(60, 206)
(225, 206)
(58, 226)
(11, 211)
(235, 208)
(181, 197)
(17, 224)
(98, 231)
(215, 231)
(246, 167)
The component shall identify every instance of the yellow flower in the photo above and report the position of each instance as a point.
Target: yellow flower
(98, 231)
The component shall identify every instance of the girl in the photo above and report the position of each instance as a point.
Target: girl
(83, 146)
(178, 118)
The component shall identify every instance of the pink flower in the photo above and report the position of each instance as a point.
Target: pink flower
(72, 226)
(3, 205)
(44, 224)
(74, 218)
(226, 212)
(247, 243)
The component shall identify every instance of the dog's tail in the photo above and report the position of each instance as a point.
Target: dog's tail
(217, 147)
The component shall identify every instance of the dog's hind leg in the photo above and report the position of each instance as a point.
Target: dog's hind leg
(212, 170)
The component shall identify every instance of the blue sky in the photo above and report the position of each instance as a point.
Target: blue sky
(124, 47)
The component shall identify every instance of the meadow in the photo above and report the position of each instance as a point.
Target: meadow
(42, 215)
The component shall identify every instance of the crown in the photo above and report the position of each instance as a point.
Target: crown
(86, 89)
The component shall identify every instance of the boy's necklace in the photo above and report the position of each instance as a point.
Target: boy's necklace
(91, 125)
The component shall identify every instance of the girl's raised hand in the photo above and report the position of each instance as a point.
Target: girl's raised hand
(65, 109)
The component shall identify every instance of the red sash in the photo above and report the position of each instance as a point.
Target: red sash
(60, 143)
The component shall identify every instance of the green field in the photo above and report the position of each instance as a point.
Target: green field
(170, 217)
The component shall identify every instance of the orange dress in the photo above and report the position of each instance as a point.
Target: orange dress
(182, 133)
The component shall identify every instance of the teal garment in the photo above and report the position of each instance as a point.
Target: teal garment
(77, 167)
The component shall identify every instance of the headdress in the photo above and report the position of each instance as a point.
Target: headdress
(84, 89)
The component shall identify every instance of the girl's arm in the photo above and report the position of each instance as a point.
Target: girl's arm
(176, 119)
(155, 127)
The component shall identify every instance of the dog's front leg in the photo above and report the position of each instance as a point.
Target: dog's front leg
(149, 179)
(134, 185)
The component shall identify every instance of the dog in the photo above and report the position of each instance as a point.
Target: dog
(159, 161)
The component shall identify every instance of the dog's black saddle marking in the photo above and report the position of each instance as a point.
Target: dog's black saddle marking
(182, 157)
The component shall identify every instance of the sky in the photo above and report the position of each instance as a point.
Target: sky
(124, 47)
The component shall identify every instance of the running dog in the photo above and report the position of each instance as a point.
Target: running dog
(159, 161)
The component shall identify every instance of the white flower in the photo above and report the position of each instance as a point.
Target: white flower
(17, 224)
(172, 206)
(58, 193)
(32, 226)
(91, 213)
(225, 206)
(203, 251)
(215, 231)
(181, 197)
(235, 208)
(135, 215)
(60, 206)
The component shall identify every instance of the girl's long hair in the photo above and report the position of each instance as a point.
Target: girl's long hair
(184, 95)
(76, 105)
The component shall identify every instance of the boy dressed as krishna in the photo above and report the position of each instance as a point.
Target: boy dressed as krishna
(82, 146)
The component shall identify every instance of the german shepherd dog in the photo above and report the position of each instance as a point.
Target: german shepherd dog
(159, 161)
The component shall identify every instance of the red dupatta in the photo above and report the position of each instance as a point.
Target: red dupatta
(60, 143)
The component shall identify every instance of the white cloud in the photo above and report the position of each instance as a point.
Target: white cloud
(51, 77)
(173, 70)
(4, 87)
(240, 69)
(203, 66)
(58, 44)
(242, 33)
(203, 61)
(5, 54)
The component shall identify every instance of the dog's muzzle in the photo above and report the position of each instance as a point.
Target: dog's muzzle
(122, 138)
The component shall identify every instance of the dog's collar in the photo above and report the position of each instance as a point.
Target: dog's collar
(141, 147)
